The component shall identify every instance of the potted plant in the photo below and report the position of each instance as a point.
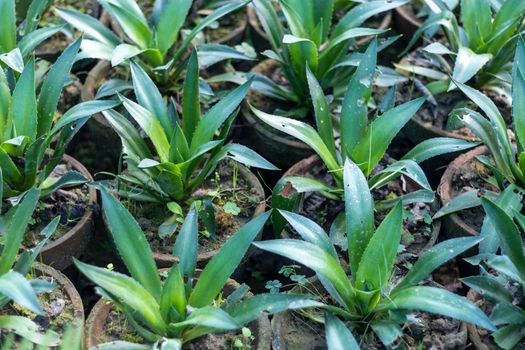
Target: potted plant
(32, 154)
(498, 289)
(378, 295)
(188, 305)
(309, 37)
(363, 139)
(186, 164)
(22, 315)
(492, 167)
(480, 57)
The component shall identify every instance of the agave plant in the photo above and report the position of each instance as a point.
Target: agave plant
(187, 305)
(370, 297)
(364, 140)
(506, 279)
(14, 287)
(507, 161)
(310, 38)
(29, 126)
(185, 150)
(17, 42)
(481, 44)
(155, 42)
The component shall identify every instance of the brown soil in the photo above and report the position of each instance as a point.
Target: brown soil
(221, 190)
(58, 309)
(227, 25)
(471, 176)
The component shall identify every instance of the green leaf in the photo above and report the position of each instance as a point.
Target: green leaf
(467, 64)
(151, 126)
(89, 26)
(435, 257)
(80, 111)
(309, 231)
(27, 329)
(476, 16)
(381, 132)
(171, 19)
(303, 132)
(338, 336)
(217, 115)
(209, 317)
(131, 140)
(509, 336)
(375, 266)
(14, 286)
(465, 200)
(191, 108)
(173, 294)
(216, 273)
(437, 146)
(186, 245)
(359, 213)
(303, 55)
(127, 291)
(248, 157)
(323, 118)
(518, 94)
(509, 235)
(354, 113)
(131, 244)
(489, 287)
(7, 26)
(16, 228)
(69, 179)
(52, 87)
(149, 97)
(253, 308)
(31, 40)
(315, 258)
(441, 302)
(24, 103)
(131, 20)
(270, 22)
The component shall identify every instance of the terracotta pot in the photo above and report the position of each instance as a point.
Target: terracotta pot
(94, 330)
(58, 253)
(405, 21)
(305, 166)
(453, 224)
(277, 147)
(255, 24)
(164, 260)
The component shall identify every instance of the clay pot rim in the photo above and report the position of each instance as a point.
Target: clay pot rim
(86, 219)
(301, 167)
(254, 122)
(445, 189)
(99, 313)
(163, 259)
(254, 22)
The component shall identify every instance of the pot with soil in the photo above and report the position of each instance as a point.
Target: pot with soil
(420, 232)
(277, 147)
(465, 173)
(75, 207)
(61, 306)
(294, 330)
(237, 197)
(105, 323)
